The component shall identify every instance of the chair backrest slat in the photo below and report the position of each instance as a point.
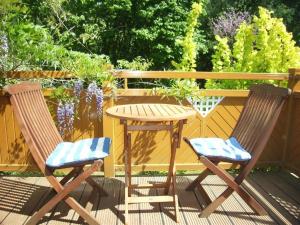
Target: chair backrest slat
(258, 116)
(32, 126)
(35, 120)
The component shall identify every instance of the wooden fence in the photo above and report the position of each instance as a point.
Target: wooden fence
(152, 150)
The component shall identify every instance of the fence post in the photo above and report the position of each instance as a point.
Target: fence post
(294, 85)
(108, 131)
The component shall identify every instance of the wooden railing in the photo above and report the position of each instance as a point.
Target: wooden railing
(283, 148)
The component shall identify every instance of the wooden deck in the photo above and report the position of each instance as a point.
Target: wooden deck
(279, 193)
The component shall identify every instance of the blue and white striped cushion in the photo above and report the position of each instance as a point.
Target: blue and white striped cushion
(68, 153)
(217, 147)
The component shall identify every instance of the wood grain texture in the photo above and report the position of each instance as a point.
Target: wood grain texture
(41, 135)
(253, 130)
(151, 112)
(227, 112)
(15, 154)
(20, 196)
(12, 146)
(202, 75)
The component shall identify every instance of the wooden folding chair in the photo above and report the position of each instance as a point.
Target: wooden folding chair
(244, 146)
(51, 153)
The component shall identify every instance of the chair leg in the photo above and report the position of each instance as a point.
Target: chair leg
(70, 175)
(254, 205)
(216, 203)
(81, 211)
(198, 180)
(62, 193)
(232, 186)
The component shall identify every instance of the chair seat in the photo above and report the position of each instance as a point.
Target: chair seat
(229, 149)
(86, 150)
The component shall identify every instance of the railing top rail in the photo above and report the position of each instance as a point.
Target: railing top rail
(39, 74)
(202, 75)
(162, 74)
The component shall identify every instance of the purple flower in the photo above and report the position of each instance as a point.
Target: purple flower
(4, 44)
(3, 51)
(94, 90)
(78, 86)
(65, 116)
(227, 24)
(99, 101)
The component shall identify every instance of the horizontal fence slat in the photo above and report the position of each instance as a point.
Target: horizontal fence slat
(202, 75)
(158, 75)
(204, 92)
(150, 92)
(39, 74)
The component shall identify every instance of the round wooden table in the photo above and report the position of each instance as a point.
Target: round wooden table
(153, 117)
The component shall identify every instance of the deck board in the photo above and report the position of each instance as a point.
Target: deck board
(108, 208)
(213, 190)
(188, 202)
(15, 202)
(20, 197)
(278, 199)
(149, 212)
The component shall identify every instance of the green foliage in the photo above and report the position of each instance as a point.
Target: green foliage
(181, 90)
(189, 48)
(138, 63)
(222, 58)
(31, 47)
(125, 29)
(186, 88)
(122, 29)
(88, 67)
(62, 94)
(264, 45)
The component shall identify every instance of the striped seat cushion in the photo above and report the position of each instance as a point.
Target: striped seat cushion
(217, 147)
(68, 153)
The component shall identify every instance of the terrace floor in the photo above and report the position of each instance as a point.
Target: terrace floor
(279, 193)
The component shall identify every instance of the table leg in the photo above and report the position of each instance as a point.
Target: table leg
(127, 151)
(172, 163)
(126, 206)
(175, 196)
(171, 179)
(129, 162)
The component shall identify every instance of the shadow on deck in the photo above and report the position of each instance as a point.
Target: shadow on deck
(278, 192)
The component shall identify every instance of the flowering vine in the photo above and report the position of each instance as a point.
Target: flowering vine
(94, 90)
(65, 117)
(78, 86)
(68, 104)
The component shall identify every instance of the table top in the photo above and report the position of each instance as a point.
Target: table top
(151, 112)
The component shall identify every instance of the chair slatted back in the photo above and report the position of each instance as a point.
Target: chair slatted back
(259, 116)
(35, 120)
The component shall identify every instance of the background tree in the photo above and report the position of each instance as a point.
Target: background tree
(126, 29)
